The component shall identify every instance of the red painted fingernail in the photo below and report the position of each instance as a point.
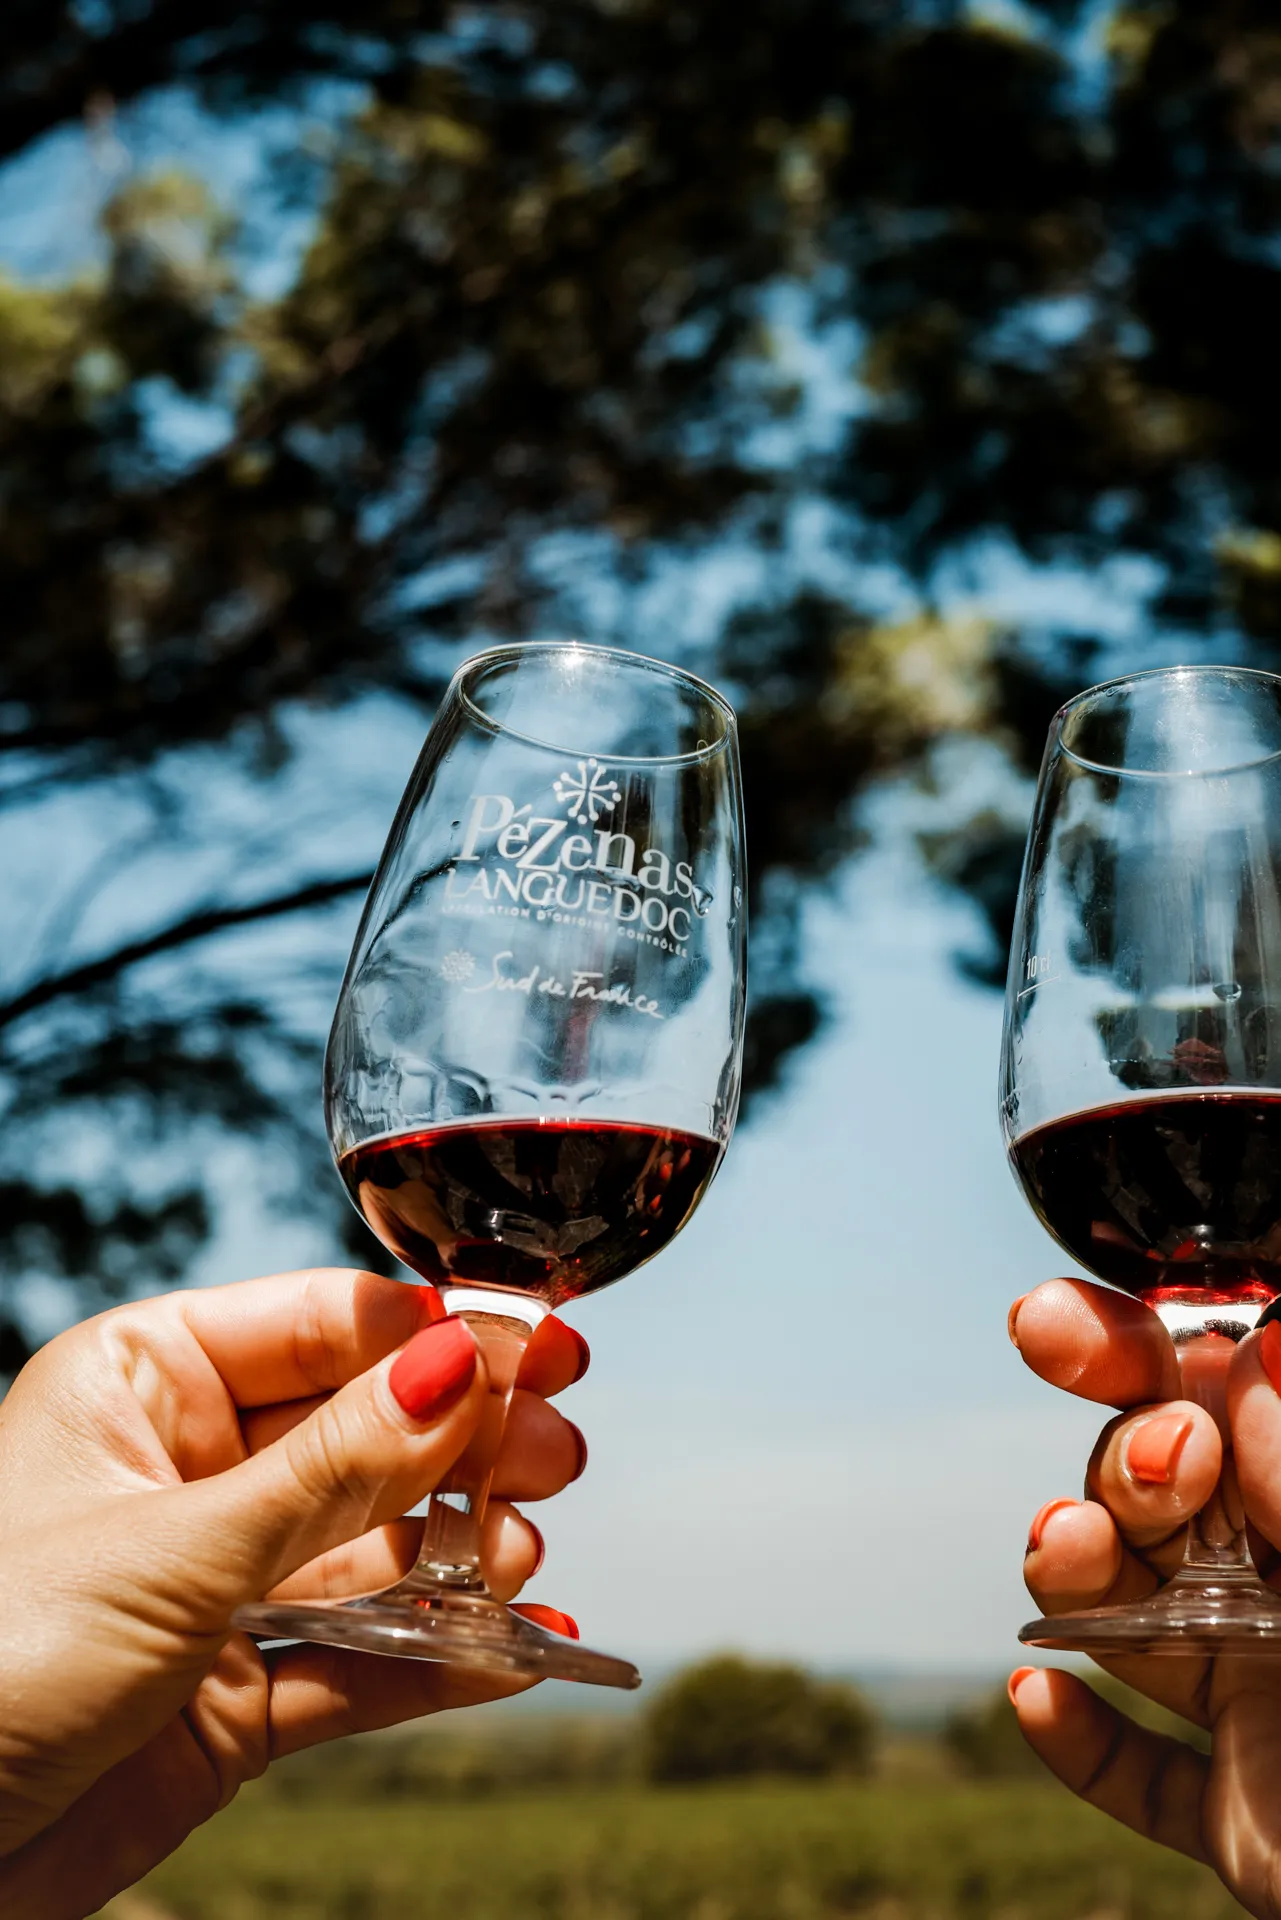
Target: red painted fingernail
(434, 1370)
(1011, 1319)
(550, 1617)
(581, 1443)
(433, 1306)
(1270, 1353)
(542, 1548)
(584, 1356)
(1152, 1450)
(1037, 1527)
(1016, 1680)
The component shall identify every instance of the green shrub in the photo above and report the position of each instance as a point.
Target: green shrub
(729, 1717)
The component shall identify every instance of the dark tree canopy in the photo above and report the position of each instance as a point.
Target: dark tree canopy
(536, 316)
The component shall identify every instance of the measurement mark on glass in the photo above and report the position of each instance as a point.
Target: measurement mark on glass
(1036, 969)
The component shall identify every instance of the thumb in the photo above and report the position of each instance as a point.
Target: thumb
(1254, 1409)
(362, 1457)
(168, 1567)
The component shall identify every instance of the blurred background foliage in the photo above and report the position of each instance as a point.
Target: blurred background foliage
(568, 315)
(584, 1814)
(729, 1718)
(726, 1718)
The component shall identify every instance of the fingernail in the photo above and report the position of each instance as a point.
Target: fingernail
(542, 1548)
(1011, 1320)
(433, 1306)
(581, 1443)
(434, 1370)
(1270, 1353)
(550, 1617)
(1037, 1527)
(1016, 1680)
(1152, 1450)
(584, 1356)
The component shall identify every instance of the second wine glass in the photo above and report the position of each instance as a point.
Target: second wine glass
(1141, 1068)
(534, 1065)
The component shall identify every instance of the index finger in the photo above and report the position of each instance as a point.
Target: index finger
(1095, 1343)
(295, 1337)
(555, 1358)
(299, 1334)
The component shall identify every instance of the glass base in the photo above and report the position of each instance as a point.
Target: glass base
(460, 1629)
(1197, 1613)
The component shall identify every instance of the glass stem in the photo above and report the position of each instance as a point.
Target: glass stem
(450, 1552)
(1205, 1338)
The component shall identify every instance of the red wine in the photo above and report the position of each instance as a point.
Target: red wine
(1164, 1196)
(555, 1208)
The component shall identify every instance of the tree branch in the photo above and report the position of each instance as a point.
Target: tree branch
(196, 926)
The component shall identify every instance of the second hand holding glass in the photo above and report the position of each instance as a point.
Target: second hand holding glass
(534, 1065)
(1141, 1067)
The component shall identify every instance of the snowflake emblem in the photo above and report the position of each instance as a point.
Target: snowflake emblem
(456, 966)
(590, 792)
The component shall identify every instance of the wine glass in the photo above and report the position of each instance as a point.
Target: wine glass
(534, 1066)
(1141, 1066)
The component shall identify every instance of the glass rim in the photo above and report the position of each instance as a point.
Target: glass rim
(483, 663)
(1199, 668)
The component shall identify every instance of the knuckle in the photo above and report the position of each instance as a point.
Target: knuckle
(227, 1721)
(314, 1351)
(326, 1456)
(1100, 1455)
(1094, 1787)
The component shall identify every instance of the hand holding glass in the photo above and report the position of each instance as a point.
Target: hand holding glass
(1141, 1067)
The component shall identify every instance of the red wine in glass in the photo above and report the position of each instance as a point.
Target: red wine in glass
(553, 1208)
(1174, 1195)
